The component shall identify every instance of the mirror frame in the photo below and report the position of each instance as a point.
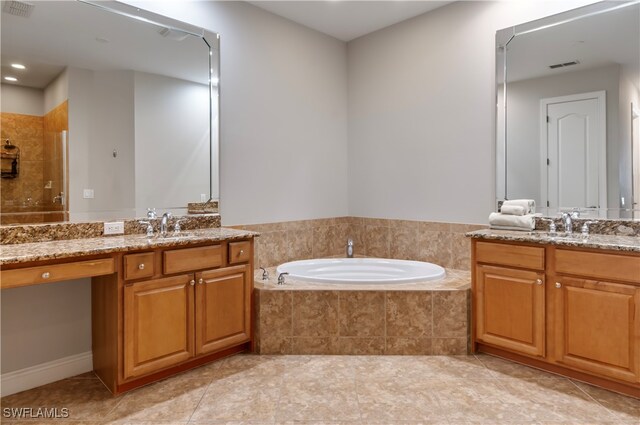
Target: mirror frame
(212, 41)
(503, 38)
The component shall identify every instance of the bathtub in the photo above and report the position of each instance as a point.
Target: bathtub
(366, 271)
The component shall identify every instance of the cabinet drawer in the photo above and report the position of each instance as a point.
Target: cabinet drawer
(188, 259)
(239, 252)
(56, 272)
(598, 265)
(527, 257)
(138, 266)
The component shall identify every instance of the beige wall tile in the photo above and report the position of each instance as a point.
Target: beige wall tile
(314, 345)
(377, 241)
(361, 346)
(434, 247)
(450, 314)
(408, 346)
(275, 344)
(272, 248)
(299, 243)
(408, 314)
(315, 313)
(361, 313)
(449, 346)
(403, 240)
(460, 252)
(275, 313)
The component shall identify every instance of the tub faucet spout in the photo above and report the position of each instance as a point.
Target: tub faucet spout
(350, 248)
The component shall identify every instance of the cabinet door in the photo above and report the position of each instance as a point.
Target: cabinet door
(158, 324)
(223, 308)
(510, 309)
(597, 327)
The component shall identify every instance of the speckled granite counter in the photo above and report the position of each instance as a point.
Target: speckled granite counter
(454, 280)
(594, 241)
(51, 250)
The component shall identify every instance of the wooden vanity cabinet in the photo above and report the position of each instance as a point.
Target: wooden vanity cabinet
(223, 308)
(510, 305)
(596, 327)
(158, 324)
(572, 311)
(194, 306)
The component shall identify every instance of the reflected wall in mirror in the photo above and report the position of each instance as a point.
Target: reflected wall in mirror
(565, 88)
(113, 110)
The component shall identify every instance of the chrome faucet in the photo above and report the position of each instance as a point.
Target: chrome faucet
(149, 228)
(164, 223)
(350, 248)
(281, 278)
(585, 228)
(567, 221)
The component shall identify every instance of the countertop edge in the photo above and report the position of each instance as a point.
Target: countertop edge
(56, 250)
(594, 241)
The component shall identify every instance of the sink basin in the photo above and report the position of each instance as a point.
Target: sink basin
(170, 236)
(562, 235)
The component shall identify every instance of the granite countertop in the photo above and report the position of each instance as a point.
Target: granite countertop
(608, 242)
(42, 251)
(454, 280)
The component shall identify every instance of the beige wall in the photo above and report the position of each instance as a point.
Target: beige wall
(422, 112)
(284, 113)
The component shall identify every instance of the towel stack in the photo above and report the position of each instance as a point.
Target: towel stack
(516, 214)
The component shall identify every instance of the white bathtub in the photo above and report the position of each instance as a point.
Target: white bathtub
(361, 271)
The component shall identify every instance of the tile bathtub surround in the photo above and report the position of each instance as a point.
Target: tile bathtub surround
(414, 320)
(440, 243)
(30, 233)
(354, 390)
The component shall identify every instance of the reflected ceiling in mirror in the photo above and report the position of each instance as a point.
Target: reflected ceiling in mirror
(566, 88)
(114, 112)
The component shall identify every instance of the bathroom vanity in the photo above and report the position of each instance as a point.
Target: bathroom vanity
(563, 304)
(159, 305)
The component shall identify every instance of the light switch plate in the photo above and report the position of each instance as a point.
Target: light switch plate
(87, 194)
(114, 228)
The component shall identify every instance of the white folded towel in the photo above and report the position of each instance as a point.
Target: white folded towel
(525, 222)
(513, 210)
(529, 205)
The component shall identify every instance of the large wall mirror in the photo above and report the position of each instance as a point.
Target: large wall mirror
(568, 90)
(107, 110)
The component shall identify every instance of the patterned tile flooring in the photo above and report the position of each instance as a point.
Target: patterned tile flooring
(350, 390)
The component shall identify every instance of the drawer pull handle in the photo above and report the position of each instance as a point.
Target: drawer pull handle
(558, 285)
(141, 266)
(192, 282)
(538, 281)
(201, 281)
(46, 275)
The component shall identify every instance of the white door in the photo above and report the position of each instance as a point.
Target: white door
(573, 149)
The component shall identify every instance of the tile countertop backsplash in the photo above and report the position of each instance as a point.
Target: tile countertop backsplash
(597, 241)
(29, 233)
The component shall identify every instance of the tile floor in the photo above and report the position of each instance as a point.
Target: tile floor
(350, 390)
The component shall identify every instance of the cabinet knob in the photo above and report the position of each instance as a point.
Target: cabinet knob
(46, 275)
(558, 285)
(141, 266)
(538, 281)
(241, 252)
(201, 281)
(192, 282)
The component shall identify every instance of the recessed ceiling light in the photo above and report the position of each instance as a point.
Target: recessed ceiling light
(14, 79)
(18, 66)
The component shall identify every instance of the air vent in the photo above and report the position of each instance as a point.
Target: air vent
(18, 8)
(562, 65)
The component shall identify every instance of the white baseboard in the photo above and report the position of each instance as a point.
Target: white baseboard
(45, 373)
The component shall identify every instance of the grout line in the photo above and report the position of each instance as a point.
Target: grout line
(201, 398)
(589, 396)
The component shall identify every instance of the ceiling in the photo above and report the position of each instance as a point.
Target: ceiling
(347, 20)
(594, 41)
(59, 34)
